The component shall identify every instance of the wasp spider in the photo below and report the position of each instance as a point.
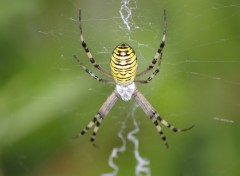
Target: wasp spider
(123, 65)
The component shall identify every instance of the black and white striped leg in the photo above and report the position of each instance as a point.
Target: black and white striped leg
(90, 125)
(159, 130)
(92, 74)
(103, 111)
(154, 116)
(95, 130)
(153, 74)
(168, 125)
(84, 45)
(159, 51)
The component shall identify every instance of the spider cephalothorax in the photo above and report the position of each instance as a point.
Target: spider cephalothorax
(123, 66)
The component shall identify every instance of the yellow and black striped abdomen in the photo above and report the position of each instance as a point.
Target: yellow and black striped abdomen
(123, 64)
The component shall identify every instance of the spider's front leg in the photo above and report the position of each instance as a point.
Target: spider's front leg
(103, 111)
(154, 116)
(158, 55)
(86, 49)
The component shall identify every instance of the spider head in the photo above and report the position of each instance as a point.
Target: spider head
(123, 64)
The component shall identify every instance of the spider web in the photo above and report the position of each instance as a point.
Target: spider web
(198, 84)
(130, 20)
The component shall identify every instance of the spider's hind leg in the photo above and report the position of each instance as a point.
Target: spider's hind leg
(171, 127)
(96, 120)
(154, 116)
(103, 111)
(90, 124)
(159, 130)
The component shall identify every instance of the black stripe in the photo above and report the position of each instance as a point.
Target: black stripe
(116, 72)
(156, 71)
(154, 61)
(122, 69)
(162, 45)
(122, 47)
(87, 50)
(129, 69)
(126, 78)
(159, 118)
(92, 60)
(175, 129)
(84, 44)
(120, 57)
(152, 115)
(150, 66)
(98, 123)
(127, 53)
(119, 64)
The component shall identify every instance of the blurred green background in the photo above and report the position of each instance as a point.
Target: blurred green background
(46, 99)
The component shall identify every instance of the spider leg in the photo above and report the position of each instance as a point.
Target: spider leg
(159, 130)
(89, 126)
(154, 116)
(84, 45)
(91, 73)
(103, 111)
(153, 74)
(159, 51)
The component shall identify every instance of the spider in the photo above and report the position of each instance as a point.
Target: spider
(124, 75)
